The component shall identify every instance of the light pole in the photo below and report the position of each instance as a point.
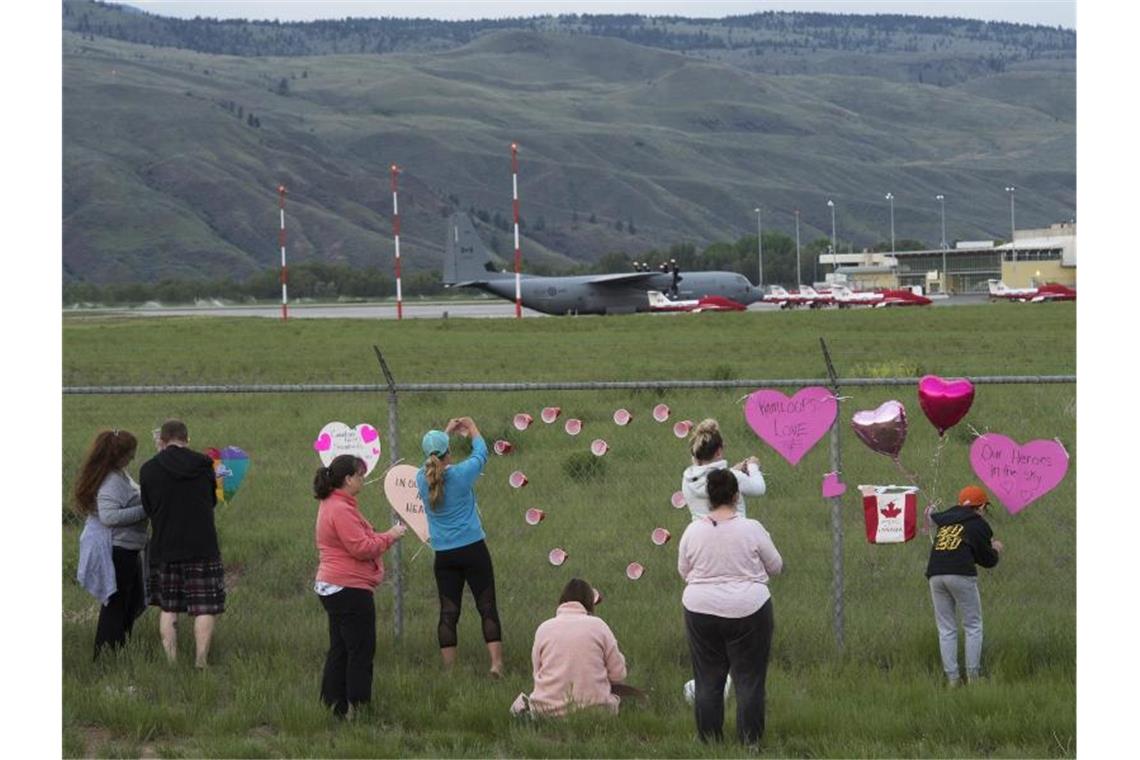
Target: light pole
(759, 250)
(799, 277)
(1011, 189)
(834, 250)
(891, 197)
(945, 278)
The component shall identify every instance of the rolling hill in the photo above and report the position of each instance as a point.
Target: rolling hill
(172, 155)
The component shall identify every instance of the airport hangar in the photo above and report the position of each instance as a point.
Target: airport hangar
(1035, 257)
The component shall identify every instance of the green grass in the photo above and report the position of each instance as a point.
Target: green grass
(881, 697)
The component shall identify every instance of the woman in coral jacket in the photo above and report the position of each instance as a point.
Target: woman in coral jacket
(350, 569)
(575, 657)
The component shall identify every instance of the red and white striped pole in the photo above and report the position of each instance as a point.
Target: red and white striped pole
(518, 252)
(396, 235)
(281, 241)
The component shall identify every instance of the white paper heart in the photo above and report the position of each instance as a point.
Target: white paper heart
(337, 438)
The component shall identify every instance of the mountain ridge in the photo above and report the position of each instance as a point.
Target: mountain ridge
(678, 147)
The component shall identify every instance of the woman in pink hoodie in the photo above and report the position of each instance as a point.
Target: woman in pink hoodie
(575, 657)
(349, 571)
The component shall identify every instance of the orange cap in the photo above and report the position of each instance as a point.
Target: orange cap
(972, 496)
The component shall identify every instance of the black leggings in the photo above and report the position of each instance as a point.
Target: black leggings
(117, 616)
(453, 567)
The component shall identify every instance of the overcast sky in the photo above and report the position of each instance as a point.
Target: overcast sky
(1048, 12)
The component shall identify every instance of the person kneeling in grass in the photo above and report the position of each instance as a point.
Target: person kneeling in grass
(576, 659)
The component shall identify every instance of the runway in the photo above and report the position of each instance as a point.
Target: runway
(496, 309)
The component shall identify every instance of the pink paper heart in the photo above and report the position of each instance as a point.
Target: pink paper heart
(1018, 474)
(833, 486)
(945, 402)
(323, 442)
(368, 434)
(793, 425)
(404, 497)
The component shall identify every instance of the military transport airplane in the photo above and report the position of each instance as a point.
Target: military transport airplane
(467, 263)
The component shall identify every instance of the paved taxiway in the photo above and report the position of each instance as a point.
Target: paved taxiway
(412, 310)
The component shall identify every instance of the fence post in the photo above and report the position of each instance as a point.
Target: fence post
(393, 458)
(836, 509)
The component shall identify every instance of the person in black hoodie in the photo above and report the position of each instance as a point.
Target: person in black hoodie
(178, 495)
(963, 541)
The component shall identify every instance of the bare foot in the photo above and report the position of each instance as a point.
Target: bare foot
(496, 673)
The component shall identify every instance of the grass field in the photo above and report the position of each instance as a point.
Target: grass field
(881, 697)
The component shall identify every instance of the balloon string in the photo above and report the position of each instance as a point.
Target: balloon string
(413, 559)
(910, 475)
(936, 463)
(381, 477)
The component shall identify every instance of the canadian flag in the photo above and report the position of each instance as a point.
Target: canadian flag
(889, 513)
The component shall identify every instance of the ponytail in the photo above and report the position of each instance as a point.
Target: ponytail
(433, 472)
(705, 440)
(328, 479)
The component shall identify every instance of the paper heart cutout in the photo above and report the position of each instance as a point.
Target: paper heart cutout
(833, 486)
(368, 433)
(793, 425)
(945, 402)
(1018, 474)
(404, 497)
(343, 439)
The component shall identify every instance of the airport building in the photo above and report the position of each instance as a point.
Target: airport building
(1035, 257)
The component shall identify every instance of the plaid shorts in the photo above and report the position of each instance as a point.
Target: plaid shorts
(197, 587)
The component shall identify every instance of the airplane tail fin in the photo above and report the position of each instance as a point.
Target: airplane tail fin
(997, 287)
(466, 259)
(657, 299)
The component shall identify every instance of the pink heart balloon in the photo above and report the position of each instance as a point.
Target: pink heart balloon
(945, 402)
(1018, 474)
(793, 425)
(882, 429)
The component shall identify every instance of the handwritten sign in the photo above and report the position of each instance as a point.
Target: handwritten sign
(793, 425)
(337, 438)
(1018, 474)
(404, 497)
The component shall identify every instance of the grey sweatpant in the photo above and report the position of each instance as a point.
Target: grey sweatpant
(953, 595)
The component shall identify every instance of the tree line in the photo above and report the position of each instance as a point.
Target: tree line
(330, 282)
(774, 30)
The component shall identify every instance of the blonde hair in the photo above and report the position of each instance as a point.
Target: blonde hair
(433, 471)
(705, 440)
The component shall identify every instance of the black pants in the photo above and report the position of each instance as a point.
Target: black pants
(739, 646)
(347, 678)
(117, 616)
(469, 564)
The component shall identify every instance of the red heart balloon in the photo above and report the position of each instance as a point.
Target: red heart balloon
(945, 402)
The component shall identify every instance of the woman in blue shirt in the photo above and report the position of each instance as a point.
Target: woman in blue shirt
(461, 556)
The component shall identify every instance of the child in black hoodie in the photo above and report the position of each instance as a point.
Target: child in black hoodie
(963, 541)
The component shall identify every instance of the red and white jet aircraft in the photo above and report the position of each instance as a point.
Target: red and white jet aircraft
(1050, 292)
(658, 302)
(877, 299)
(805, 296)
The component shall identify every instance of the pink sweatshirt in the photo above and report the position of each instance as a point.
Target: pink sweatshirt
(349, 548)
(726, 565)
(575, 659)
